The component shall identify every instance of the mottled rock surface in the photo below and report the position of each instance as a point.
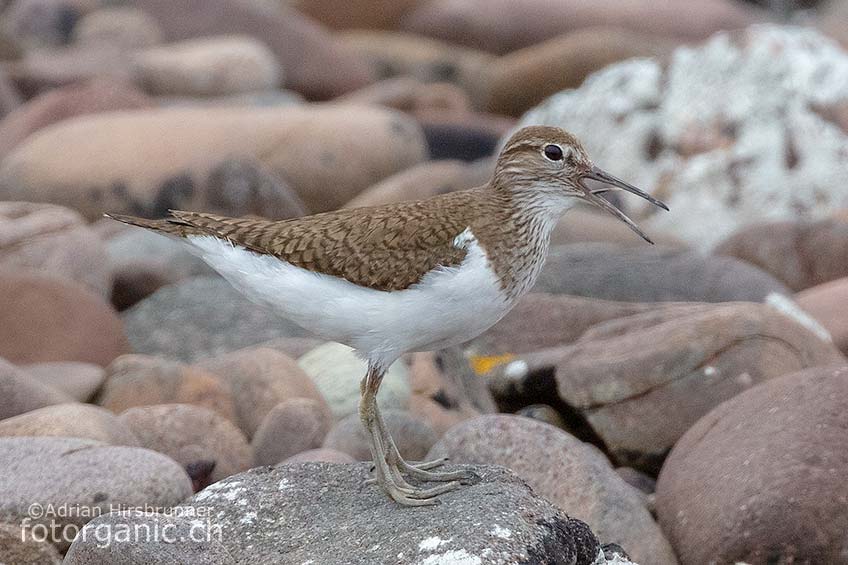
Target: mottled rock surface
(728, 133)
(324, 512)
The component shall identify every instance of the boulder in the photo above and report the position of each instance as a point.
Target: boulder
(799, 254)
(176, 321)
(320, 455)
(118, 27)
(320, 511)
(561, 62)
(762, 477)
(85, 478)
(641, 381)
(216, 66)
(20, 393)
(55, 240)
(291, 427)
(207, 445)
(39, 23)
(142, 380)
(761, 146)
(97, 95)
(424, 180)
(565, 471)
(393, 54)
(653, 274)
(501, 26)
(337, 371)
(316, 63)
(41, 70)
(413, 437)
(26, 551)
(193, 538)
(45, 318)
(77, 163)
(357, 14)
(259, 379)
(76, 420)
(828, 304)
(586, 224)
(79, 380)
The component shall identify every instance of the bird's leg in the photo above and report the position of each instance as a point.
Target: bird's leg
(388, 474)
(420, 470)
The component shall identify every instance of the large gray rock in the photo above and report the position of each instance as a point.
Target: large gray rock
(84, 477)
(652, 274)
(196, 541)
(569, 473)
(199, 318)
(21, 393)
(325, 513)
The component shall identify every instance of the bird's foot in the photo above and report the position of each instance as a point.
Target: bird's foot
(421, 471)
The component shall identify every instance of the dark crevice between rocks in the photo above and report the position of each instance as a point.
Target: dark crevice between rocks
(539, 387)
(566, 542)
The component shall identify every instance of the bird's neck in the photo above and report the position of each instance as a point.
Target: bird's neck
(517, 238)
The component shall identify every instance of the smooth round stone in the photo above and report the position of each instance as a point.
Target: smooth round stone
(142, 380)
(100, 94)
(46, 318)
(208, 67)
(85, 475)
(425, 180)
(747, 481)
(357, 14)
(828, 304)
(291, 427)
(118, 27)
(194, 538)
(502, 26)
(337, 371)
(207, 445)
(565, 471)
(652, 274)
(79, 380)
(394, 54)
(176, 321)
(413, 436)
(320, 455)
(40, 23)
(303, 147)
(20, 392)
(259, 379)
(800, 254)
(26, 551)
(75, 420)
(53, 240)
(561, 62)
(316, 65)
(584, 224)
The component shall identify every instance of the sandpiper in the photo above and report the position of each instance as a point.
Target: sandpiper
(411, 276)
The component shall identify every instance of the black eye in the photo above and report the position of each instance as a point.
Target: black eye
(553, 152)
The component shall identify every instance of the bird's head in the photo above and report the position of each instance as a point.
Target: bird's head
(547, 167)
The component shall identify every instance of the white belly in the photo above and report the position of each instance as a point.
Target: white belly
(447, 307)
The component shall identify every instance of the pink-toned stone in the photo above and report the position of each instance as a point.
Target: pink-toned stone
(45, 318)
(828, 304)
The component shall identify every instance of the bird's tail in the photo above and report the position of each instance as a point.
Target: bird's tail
(170, 226)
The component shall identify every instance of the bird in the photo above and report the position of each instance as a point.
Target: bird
(409, 276)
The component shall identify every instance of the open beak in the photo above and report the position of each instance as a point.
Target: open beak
(594, 197)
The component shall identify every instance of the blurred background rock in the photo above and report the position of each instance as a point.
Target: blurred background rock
(723, 346)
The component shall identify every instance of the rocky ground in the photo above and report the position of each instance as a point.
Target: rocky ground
(678, 404)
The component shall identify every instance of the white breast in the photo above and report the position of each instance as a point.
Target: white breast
(450, 305)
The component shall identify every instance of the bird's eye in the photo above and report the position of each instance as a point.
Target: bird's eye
(553, 152)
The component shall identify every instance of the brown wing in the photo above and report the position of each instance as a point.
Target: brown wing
(384, 248)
